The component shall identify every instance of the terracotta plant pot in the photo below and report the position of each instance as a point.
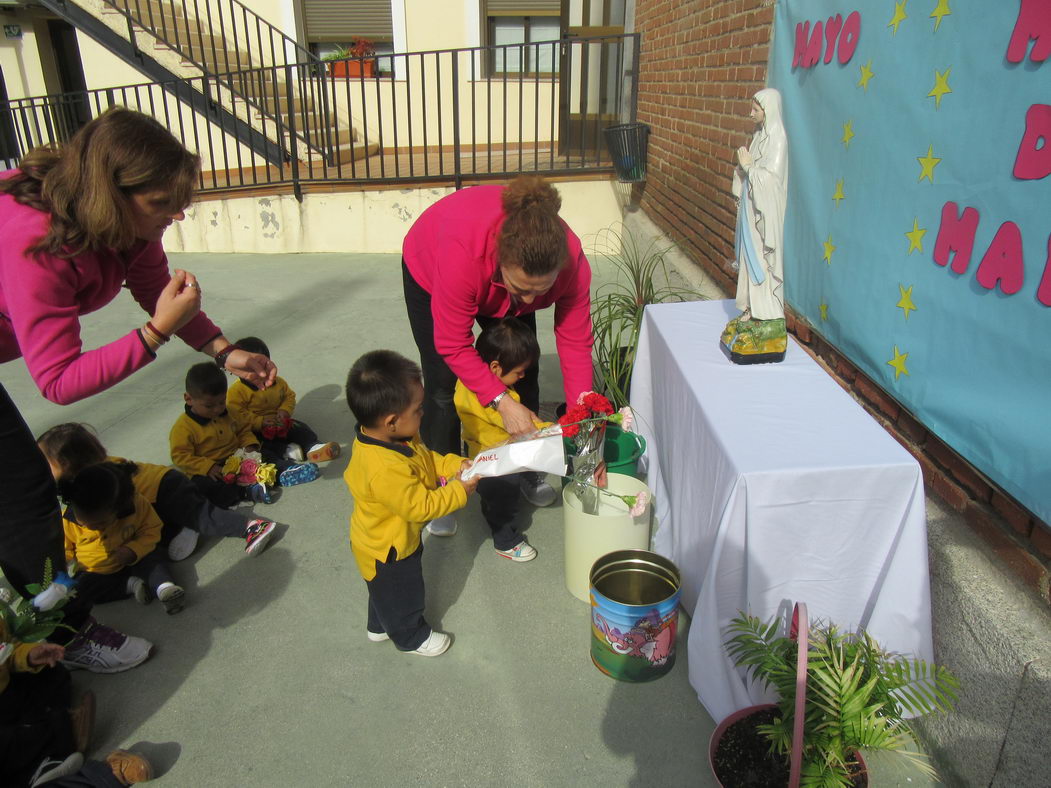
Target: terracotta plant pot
(352, 68)
(761, 746)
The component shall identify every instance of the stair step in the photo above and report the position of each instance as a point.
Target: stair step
(348, 153)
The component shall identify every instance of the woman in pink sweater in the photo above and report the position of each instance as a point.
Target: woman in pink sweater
(77, 225)
(481, 254)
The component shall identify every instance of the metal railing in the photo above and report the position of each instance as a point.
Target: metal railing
(441, 115)
(224, 37)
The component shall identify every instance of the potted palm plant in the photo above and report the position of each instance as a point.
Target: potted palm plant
(356, 60)
(641, 278)
(838, 693)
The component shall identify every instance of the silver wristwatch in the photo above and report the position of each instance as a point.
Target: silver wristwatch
(496, 400)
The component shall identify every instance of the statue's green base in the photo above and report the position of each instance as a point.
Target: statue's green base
(755, 341)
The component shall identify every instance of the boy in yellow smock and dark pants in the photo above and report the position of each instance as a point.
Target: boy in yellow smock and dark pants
(398, 486)
(510, 349)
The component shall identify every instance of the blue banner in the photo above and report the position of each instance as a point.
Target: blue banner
(918, 230)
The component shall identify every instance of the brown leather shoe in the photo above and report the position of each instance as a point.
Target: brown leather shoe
(82, 720)
(129, 768)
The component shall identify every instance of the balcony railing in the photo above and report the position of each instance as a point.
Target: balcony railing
(438, 116)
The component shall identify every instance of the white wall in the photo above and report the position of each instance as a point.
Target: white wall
(352, 221)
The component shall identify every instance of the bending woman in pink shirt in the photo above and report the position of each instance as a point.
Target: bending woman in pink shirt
(77, 225)
(482, 254)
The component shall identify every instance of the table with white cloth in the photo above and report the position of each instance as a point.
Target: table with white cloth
(772, 486)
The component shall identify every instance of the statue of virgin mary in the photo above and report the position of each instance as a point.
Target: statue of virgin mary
(760, 185)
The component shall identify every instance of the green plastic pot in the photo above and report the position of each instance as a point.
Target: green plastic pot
(622, 451)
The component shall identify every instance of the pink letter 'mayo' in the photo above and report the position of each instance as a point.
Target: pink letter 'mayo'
(1034, 24)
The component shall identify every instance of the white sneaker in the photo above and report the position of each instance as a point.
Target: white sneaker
(172, 597)
(521, 552)
(377, 637)
(436, 644)
(184, 543)
(442, 526)
(536, 490)
(51, 769)
(102, 649)
(294, 452)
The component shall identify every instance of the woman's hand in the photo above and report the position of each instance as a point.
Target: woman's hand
(518, 419)
(45, 654)
(178, 303)
(256, 368)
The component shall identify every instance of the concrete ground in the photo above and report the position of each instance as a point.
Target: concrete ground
(267, 678)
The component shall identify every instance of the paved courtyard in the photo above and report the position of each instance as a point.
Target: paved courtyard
(267, 678)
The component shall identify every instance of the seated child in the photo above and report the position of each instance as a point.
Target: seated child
(206, 436)
(509, 348)
(185, 512)
(41, 738)
(398, 485)
(269, 412)
(111, 532)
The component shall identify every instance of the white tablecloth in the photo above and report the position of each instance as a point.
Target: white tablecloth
(773, 485)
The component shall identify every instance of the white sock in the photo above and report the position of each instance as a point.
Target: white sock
(133, 583)
(163, 586)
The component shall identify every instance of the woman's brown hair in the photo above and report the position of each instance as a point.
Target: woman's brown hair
(532, 237)
(85, 185)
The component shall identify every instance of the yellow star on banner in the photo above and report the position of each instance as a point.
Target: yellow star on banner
(942, 9)
(898, 362)
(848, 133)
(941, 87)
(906, 300)
(916, 237)
(838, 194)
(866, 75)
(899, 15)
(829, 249)
(824, 311)
(928, 163)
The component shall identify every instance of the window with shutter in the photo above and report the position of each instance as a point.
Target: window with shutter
(340, 21)
(514, 25)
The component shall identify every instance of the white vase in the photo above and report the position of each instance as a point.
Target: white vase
(588, 537)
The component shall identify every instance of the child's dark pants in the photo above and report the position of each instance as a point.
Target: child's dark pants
(500, 495)
(219, 493)
(273, 449)
(396, 600)
(180, 504)
(34, 722)
(99, 588)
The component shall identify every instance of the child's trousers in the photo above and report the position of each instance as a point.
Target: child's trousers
(273, 449)
(219, 493)
(396, 600)
(180, 504)
(500, 500)
(34, 722)
(98, 588)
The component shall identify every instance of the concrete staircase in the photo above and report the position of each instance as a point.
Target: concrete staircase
(246, 63)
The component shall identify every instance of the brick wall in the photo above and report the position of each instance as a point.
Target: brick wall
(702, 60)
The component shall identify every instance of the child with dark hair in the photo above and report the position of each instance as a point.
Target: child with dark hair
(398, 485)
(111, 532)
(269, 412)
(185, 512)
(509, 348)
(205, 436)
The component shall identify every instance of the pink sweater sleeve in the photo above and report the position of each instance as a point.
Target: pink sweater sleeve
(45, 314)
(573, 336)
